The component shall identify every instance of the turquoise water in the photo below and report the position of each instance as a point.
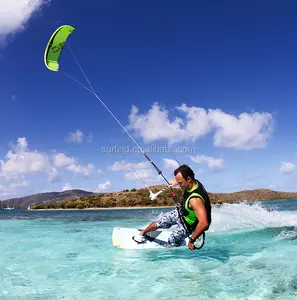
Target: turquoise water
(250, 253)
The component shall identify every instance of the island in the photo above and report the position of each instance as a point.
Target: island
(140, 198)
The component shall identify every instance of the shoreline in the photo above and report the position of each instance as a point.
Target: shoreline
(105, 208)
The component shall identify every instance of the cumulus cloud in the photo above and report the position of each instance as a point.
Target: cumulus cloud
(6, 191)
(244, 132)
(287, 167)
(66, 187)
(15, 14)
(78, 137)
(75, 137)
(20, 183)
(123, 165)
(197, 123)
(135, 171)
(103, 186)
(211, 162)
(170, 164)
(20, 161)
(82, 170)
(158, 116)
(61, 160)
(53, 175)
(9, 189)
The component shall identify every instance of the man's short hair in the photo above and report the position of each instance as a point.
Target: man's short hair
(186, 172)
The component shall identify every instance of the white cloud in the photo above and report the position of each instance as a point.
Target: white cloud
(21, 161)
(119, 166)
(125, 166)
(6, 191)
(245, 132)
(66, 187)
(15, 14)
(22, 145)
(20, 183)
(197, 122)
(157, 116)
(135, 171)
(82, 170)
(211, 162)
(170, 164)
(61, 160)
(103, 186)
(147, 175)
(287, 167)
(76, 137)
(53, 175)
(9, 189)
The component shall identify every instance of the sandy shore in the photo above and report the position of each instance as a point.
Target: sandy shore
(107, 208)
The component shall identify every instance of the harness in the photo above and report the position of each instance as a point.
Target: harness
(186, 215)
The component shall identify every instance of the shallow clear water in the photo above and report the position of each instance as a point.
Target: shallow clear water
(250, 253)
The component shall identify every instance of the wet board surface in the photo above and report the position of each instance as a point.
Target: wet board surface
(123, 238)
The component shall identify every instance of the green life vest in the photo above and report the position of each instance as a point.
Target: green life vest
(189, 216)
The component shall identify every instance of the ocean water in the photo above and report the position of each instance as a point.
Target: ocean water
(250, 253)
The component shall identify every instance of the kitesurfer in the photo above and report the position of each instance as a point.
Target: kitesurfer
(192, 216)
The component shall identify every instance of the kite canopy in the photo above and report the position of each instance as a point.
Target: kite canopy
(55, 46)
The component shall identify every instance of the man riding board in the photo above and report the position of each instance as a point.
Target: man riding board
(192, 216)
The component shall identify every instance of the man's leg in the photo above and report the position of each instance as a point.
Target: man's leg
(151, 227)
(166, 221)
(177, 238)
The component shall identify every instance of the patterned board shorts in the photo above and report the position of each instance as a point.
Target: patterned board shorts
(179, 234)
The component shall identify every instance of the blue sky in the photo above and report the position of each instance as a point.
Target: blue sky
(217, 81)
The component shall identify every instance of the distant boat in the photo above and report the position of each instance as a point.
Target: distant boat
(5, 208)
(8, 208)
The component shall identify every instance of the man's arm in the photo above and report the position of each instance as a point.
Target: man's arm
(198, 206)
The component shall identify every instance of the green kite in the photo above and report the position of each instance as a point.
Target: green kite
(55, 47)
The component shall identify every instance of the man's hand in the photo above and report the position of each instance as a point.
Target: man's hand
(191, 246)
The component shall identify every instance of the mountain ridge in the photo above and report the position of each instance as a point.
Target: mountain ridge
(47, 197)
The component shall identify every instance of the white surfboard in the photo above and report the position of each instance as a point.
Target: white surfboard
(123, 238)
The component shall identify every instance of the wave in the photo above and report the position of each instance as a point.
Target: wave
(247, 217)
